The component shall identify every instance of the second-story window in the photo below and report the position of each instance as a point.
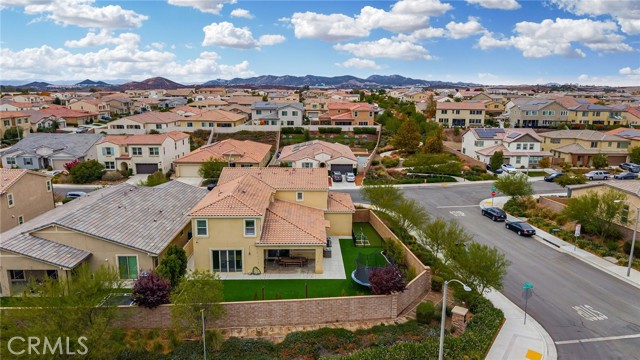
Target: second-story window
(154, 151)
(136, 151)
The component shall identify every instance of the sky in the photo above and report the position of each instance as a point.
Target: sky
(506, 42)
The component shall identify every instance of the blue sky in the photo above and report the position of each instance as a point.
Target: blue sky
(193, 41)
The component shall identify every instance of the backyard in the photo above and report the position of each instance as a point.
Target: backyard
(364, 141)
(248, 290)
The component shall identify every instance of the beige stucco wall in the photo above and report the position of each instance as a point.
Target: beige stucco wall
(11, 261)
(341, 224)
(314, 199)
(30, 199)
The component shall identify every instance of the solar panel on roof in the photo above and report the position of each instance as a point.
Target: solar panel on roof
(488, 133)
(513, 135)
(633, 133)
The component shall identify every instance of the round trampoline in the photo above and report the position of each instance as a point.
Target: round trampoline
(365, 264)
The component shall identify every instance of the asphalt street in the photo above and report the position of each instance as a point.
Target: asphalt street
(571, 299)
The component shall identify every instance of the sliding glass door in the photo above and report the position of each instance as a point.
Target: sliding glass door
(227, 260)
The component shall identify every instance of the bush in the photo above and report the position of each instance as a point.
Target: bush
(437, 283)
(292, 130)
(425, 312)
(151, 291)
(390, 162)
(112, 176)
(375, 162)
(456, 131)
(86, 171)
(330, 130)
(249, 349)
(627, 248)
(386, 280)
(154, 179)
(364, 130)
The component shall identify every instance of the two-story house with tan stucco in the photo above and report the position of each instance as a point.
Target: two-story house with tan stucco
(24, 195)
(15, 119)
(258, 214)
(347, 114)
(143, 154)
(578, 147)
(460, 114)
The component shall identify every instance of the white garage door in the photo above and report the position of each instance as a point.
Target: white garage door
(188, 170)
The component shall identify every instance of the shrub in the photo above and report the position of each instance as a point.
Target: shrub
(437, 283)
(544, 163)
(112, 176)
(364, 130)
(151, 291)
(241, 349)
(456, 131)
(71, 164)
(387, 279)
(330, 130)
(292, 130)
(390, 162)
(425, 312)
(627, 248)
(375, 162)
(394, 251)
(86, 171)
(154, 179)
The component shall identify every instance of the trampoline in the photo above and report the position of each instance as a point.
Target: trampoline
(365, 264)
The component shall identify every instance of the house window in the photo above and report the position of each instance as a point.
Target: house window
(518, 159)
(250, 227)
(363, 123)
(258, 112)
(622, 145)
(597, 113)
(370, 113)
(107, 151)
(443, 111)
(10, 201)
(128, 266)
(479, 143)
(284, 113)
(564, 113)
(7, 123)
(28, 161)
(202, 228)
(226, 260)
(154, 151)
(48, 185)
(20, 220)
(555, 141)
(158, 126)
(136, 151)
(289, 123)
(19, 121)
(530, 146)
(109, 165)
(594, 144)
(585, 113)
(17, 275)
(355, 114)
(11, 161)
(294, 113)
(518, 146)
(189, 124)
(307, 165)
(299, 196)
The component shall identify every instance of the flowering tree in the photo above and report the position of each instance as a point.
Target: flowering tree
(387, 279)
(151, 291)
(71, 164)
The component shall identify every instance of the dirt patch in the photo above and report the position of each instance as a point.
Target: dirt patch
(265, 137)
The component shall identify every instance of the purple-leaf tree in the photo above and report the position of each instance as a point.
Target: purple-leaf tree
(151, 290)
(387, 279)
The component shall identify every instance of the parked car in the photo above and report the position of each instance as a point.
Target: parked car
(494, 214)
(629, 167)
(508, 168)
(53, 172)
(337, 176)
(552, 177)
(350, 177)
(626, 176)
(82, 130)
(597, 175)
(75, 194)
(212, 184)
(520, 227)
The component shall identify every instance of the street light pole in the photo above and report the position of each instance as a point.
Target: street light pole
(633, 242)
(204, 337)
(444, 314)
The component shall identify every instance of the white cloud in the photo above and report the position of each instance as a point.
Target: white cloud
(157, 45)
(386, 48)
(464, 30)
(422, 34)
(404, 16)
(551, 37)
(104, 37)
(359, 64)
(626, 12)
(241, 13)
(126, 61)
(496, 4)
(205, 6)
(225, 34)
(487, 76)
(629, 71)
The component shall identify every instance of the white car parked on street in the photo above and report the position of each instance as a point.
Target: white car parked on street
(508, 168)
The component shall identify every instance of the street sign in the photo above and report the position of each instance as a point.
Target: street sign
(526, 294)
(493, 193)
(578, 228)
(527, 285)
(493, 188)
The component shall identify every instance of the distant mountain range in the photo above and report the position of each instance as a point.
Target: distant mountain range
(91, 83)
(151, 84)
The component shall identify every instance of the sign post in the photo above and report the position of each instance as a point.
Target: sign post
(577, 235)
(493, 194)
(526, 294)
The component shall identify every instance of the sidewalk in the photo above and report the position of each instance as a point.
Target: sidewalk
(517, 340)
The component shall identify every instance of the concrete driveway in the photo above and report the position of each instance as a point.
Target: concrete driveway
(343, 185)
(195, 181)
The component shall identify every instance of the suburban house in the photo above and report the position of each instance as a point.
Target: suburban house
(125, 227)
(210, 118)
(171, 103)
(595, 114)
(533, 113)
(347, 114)
(319, 154)
(314, 107)
(238, 109)
(243, 100)
(6, 105)
(143, 154)
(632, 135)
(277, 113)
(91, 105)
(578, 147)
(245, 153)
(520, 147)
(119, 105)
(255, 215)
(72, 117)
(219, 91)
(461, 114)
(287, 97)
(208, 104)
(24, 194)
(41, 150)
(15, 119)
(160, 121)
(41, 120)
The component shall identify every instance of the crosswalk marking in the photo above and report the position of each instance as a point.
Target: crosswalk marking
(589, 313)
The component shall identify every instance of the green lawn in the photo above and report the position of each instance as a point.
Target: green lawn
(537, 173)
(247, 290)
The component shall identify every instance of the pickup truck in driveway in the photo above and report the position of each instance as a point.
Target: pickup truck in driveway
(597, 175)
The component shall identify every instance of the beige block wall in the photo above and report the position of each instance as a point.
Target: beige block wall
(314, 199)
(103, 252)
(341, 224)
(30, 199)
(11, 261)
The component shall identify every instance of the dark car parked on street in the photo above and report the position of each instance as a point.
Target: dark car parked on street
(496, 171)
(626, 176)
(552, 177)
(494, 214)
(630, 167)
(520, 227)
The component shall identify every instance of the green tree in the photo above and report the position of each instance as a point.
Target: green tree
(173, 265)
(434, 144)
(154, 179)
(68, 308)
(515, 185)
(544, 163)
(600, 161)
(430, 111)
(571, 179)
(497, 159)
(634, 154)
(444, 238)
(86, 171)
(410, 214)
(201, 293)
(211, 168)
(384, 198)
(407, 138)
(57, 101)
(482, 266)
(597, 212)
(13, 134)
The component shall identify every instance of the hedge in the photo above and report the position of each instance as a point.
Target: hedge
(364, 130)
(292, 130)
(329, 130)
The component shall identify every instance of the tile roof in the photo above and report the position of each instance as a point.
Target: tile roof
(463, 105)
(37, 115)
(154, 117)
(43, 250)
(505, 151)
(627, 133)
(248, 152)
(63, 112)
(287, 223)
(243, 196)
(217, 115)
(74, 144)
(276, 105)
(12, 114)
(582, 135)
(344, 105)
(506, 134)
(631, 187)
(281, 178)
(144, 139)
(9, 177)
(340, 203)
(310, 149)
(576, 148)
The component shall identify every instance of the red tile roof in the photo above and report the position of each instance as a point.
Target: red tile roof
(248, 152)
(281, 178)
(463, 105)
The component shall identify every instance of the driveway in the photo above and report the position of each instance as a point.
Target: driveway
(343, 185)
(194, 181)
(135, 179)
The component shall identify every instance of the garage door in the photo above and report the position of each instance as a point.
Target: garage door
(188, 170)
(343, 168)
(146, 168)
(616, 160)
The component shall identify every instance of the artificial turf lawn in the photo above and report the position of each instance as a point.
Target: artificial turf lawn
(248, 290)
